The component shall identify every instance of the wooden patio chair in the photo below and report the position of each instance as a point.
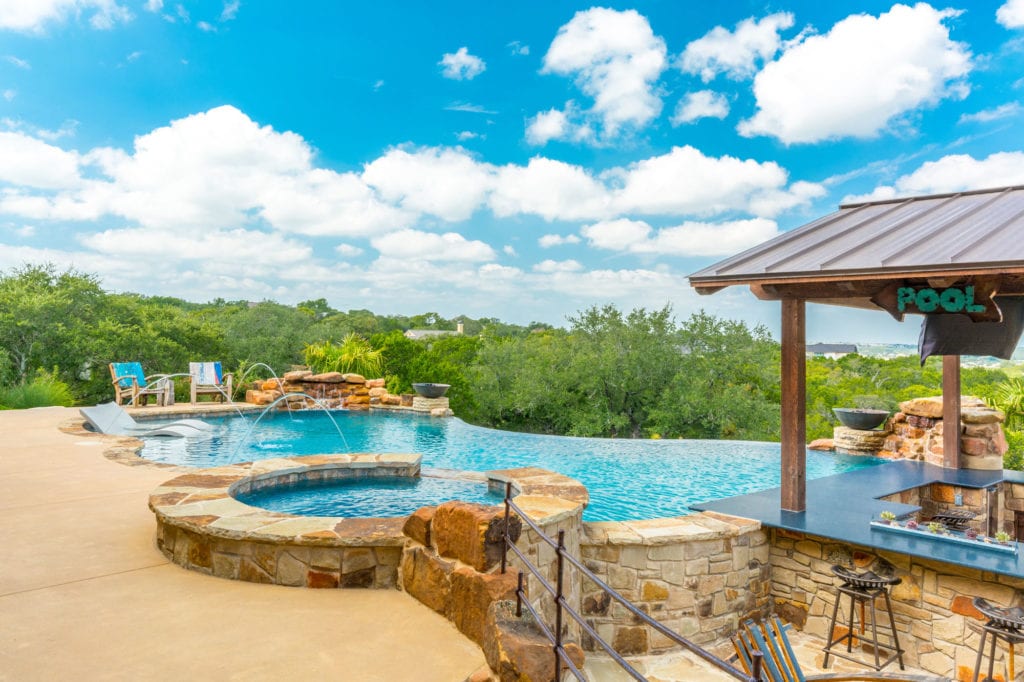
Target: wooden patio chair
(208, 378)
(131, 384)
(780, 664)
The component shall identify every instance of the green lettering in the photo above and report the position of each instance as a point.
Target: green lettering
(969, 304)
(904, 296)
(952, 300)
(927, 300)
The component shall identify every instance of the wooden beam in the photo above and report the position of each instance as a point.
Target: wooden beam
(951, 411)
(794, 405)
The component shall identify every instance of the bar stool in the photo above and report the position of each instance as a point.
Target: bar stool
(1004, 624)
(863, 588)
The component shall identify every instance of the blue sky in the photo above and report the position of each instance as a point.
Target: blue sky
(520, 161)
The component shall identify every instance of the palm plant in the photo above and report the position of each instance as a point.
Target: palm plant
(353, 355)
(1009, 397)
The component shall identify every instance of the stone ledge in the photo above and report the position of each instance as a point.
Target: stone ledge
(671, 530)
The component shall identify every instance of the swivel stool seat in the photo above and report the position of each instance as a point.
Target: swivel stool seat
(863, 588)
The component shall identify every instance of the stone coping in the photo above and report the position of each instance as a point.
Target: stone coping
(668, 530)
(203, 501)
(543, 495)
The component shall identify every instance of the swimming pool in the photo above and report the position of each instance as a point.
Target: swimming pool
(627, 479)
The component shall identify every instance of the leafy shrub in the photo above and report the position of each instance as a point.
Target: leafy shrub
(1014, 457)
(43, 391)
(353, 355)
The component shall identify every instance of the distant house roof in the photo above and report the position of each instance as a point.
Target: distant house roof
(830, 348)
(417, 334)
(843, 255)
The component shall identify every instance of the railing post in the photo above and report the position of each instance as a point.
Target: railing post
(504, 533)
(519, 596)
(755, 666)
(560, 553)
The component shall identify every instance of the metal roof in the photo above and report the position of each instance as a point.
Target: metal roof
(963, 233)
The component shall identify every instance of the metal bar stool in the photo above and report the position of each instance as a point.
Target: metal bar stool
(862, 589)
(1004, 624)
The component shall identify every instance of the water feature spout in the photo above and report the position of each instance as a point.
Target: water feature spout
(286, 396)
(272, 372)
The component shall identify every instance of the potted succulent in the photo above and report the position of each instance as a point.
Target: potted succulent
(971, 534)
(912, 524)
(935, 527)
(1002, 537)
(887, 517)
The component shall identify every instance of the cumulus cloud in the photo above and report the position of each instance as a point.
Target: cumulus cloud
(461, 65)
(737, 53)
(347, 250)
(33, 16)
(1011, 14)
(547, 125)
(232, 246)
(701, 104)
(1007, 110)
(686, 182)
(549, 240)
(830, 86)
(688, 239)
(558, 266)
(444, 182)
(429, 246)
(551, 189)
(953, 173)
(616, 59)
(518, 49)
(29, 162)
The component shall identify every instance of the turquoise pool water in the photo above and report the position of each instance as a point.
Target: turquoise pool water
(627, 479)
(370, 497)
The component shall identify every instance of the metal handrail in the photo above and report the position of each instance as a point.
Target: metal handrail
(562, 606)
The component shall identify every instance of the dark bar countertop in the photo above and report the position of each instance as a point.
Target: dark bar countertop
(842, 506)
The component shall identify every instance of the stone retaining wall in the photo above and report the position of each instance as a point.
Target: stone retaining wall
(202, 527)
(700, 575)
(935, 619)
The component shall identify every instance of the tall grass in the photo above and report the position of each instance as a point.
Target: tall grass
(43, 391)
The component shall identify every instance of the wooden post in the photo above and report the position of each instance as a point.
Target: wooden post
(794, 405)
(951, 411)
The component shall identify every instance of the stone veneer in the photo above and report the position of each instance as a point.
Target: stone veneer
(701, 575)
(202, 527)
(936, 621)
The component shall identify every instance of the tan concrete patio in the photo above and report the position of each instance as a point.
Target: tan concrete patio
(85, 594)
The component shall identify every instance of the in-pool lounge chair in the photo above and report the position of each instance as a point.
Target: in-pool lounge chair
(208, 378)
(130, 383)
(779, 663)
(111, 418)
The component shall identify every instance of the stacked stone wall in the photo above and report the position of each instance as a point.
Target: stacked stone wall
(937, 623)
(700, 575)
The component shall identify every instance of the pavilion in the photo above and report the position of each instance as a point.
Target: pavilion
(944, 255)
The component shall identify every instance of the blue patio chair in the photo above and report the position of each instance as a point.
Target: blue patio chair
(130, 383)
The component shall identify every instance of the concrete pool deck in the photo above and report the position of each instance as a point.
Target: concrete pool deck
(85, 593)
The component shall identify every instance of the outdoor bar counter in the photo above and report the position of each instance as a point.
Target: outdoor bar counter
(841, 507)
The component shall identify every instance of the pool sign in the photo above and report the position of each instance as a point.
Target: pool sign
(973, 298)
(929, 300)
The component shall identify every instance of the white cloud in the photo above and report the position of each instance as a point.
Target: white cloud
(469, 108)
(952, 173)
(547, 125)
(154, 5)
(686, 182)
(444, 182)
(206, 27)
(465, 135)
(509, 250)
(549, 240)
(377, 85)
(1011, 14)
(20, 63)
(347, 250)
(229, 246)
(832, 86)
(700, 104)
(551, 189)
(518, 49)
(429, 246)
(1002, 111)
(735, 54)
(558, 266)
(28, 162)
(461, 65)
(616, 59)
(10, 94)
(33, 15)
(230, 10)
(688, 239)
